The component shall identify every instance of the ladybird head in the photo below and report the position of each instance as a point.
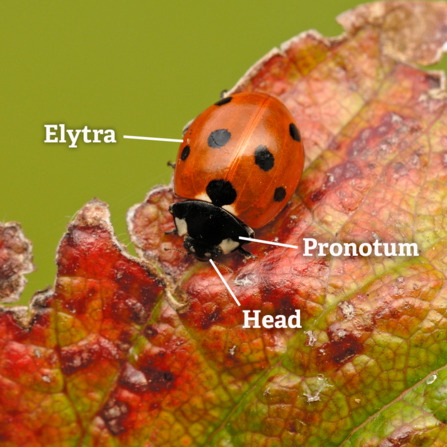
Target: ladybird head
(200, 250)
(208, 230)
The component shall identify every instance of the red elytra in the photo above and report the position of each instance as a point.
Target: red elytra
(250, 140)
(238, 165)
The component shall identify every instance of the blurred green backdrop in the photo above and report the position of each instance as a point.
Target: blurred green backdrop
(141, 68)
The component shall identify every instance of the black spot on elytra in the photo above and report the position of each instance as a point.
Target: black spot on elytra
(219, 138)
(264, 158)
(221, 192)
(279, 195)
(185, 153)
(223, 101)
(294, 132)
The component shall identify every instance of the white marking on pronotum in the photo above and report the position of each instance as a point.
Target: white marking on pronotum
(228, 245)
(226, 285)
(203, 196)
(249, 239)
(182, 227)
(172, 140)
(230, 209)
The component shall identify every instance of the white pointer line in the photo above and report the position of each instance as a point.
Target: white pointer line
(249, 239)
(226, 285)
(172, 140)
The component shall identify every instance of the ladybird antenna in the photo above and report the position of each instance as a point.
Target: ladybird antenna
(224, 266)
(176, 249)
(186, 253)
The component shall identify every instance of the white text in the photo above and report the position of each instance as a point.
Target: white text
(53, 136)
(366, 249)
(269, 322)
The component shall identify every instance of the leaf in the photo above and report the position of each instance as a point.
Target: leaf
(105, 360)
(15, 261)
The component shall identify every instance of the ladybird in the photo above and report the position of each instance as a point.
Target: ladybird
(238, 165)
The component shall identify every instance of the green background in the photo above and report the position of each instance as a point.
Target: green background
(139, 67)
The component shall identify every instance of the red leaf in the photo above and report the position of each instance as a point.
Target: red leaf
(152, 352)
(15, 261)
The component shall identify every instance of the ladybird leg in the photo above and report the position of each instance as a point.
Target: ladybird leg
(222, 93)
(174, 231)
(245, 253)
(171, 164)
